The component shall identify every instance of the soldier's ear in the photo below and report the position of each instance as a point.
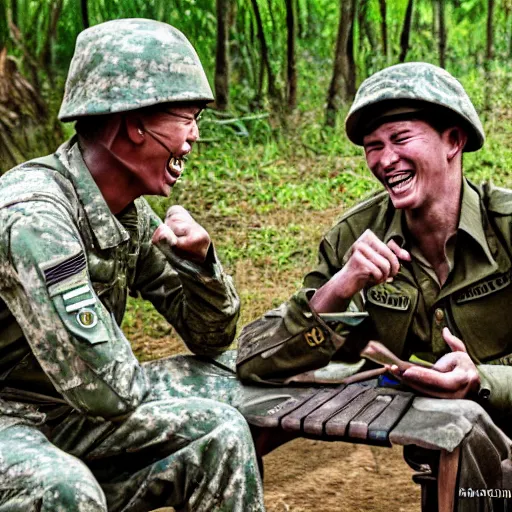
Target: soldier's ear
(456, 138)
(134, 129)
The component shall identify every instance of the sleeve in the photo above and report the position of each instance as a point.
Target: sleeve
(293, 338)
(45, 283)
(495, 393)
(199, 301)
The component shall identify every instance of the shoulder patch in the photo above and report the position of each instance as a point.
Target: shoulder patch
(64, 268)
(65, 274)
(78, 298)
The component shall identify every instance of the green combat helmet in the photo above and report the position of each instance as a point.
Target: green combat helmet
(128, 64)
(409, 83)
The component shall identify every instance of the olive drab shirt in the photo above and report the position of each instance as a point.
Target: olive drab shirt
(409, 313)
(66, 266)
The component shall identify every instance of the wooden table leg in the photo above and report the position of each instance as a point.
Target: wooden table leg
(447, 479)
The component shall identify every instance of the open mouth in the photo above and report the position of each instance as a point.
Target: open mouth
(399, 181)
(175, 166)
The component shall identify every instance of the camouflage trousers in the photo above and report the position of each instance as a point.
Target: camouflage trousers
(185, 446)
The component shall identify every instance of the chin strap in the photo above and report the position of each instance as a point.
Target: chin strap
(157, 137)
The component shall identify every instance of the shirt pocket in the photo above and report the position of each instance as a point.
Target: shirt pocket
(391, 307)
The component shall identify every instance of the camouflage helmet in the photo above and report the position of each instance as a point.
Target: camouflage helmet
(410, 84)
(128, 64)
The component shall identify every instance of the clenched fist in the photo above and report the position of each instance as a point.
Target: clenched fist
(370, 262)
(188, 238)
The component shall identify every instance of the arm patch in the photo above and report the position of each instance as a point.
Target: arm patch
(64, 269)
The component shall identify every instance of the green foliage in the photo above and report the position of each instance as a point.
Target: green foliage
(317, 22)
(143, 317)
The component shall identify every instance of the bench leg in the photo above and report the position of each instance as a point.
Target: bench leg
(438, 481)
(447, 480)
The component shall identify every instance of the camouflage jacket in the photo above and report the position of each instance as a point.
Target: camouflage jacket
(66, 266)
(408, 314)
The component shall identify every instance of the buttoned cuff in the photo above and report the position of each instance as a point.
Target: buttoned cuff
(495, 392)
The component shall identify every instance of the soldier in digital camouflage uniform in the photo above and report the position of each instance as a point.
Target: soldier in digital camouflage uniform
(429, 259)
(83, 426)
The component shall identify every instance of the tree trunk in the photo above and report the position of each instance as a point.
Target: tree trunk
(271, 13)
(384, 29)
(489, 54)
(45, 56)
(265, 61)
(351, 72)
(506, 9)
(490, 31)
(435, 20)
(300, 25)
(222, 56)
(85, 13)
(22, 110)
(364, 26)
(30, 61)
(442, 34)
(14, 12)
(339, 88)
(406, 31)
(291, 68)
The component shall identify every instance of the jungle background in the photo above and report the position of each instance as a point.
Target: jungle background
(273, 168)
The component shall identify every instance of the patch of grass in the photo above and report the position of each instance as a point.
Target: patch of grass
(141, 317)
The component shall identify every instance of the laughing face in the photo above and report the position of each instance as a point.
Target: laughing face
(172, 133)
(410, 158)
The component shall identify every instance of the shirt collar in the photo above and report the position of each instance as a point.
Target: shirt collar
(470, 221)
(107, 230)
(395, 230)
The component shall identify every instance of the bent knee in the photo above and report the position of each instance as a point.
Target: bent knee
(74, 496)
(230, 418)
(69, 488)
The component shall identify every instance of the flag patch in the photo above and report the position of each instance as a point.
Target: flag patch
(64, 269)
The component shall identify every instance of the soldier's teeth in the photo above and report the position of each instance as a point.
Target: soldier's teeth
(176, 165)
(399, 179)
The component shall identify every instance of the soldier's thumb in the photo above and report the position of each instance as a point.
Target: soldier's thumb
(456, 344)
(164, 232)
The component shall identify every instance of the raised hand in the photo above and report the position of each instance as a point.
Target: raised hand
(188, 238)
(370, 262)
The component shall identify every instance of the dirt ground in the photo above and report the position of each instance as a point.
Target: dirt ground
(311, 476)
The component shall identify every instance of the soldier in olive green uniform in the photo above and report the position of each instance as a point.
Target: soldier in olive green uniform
(430, 260)
(83, 426)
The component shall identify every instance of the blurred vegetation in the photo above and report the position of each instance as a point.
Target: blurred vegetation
(266, 180)
(39, 38)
